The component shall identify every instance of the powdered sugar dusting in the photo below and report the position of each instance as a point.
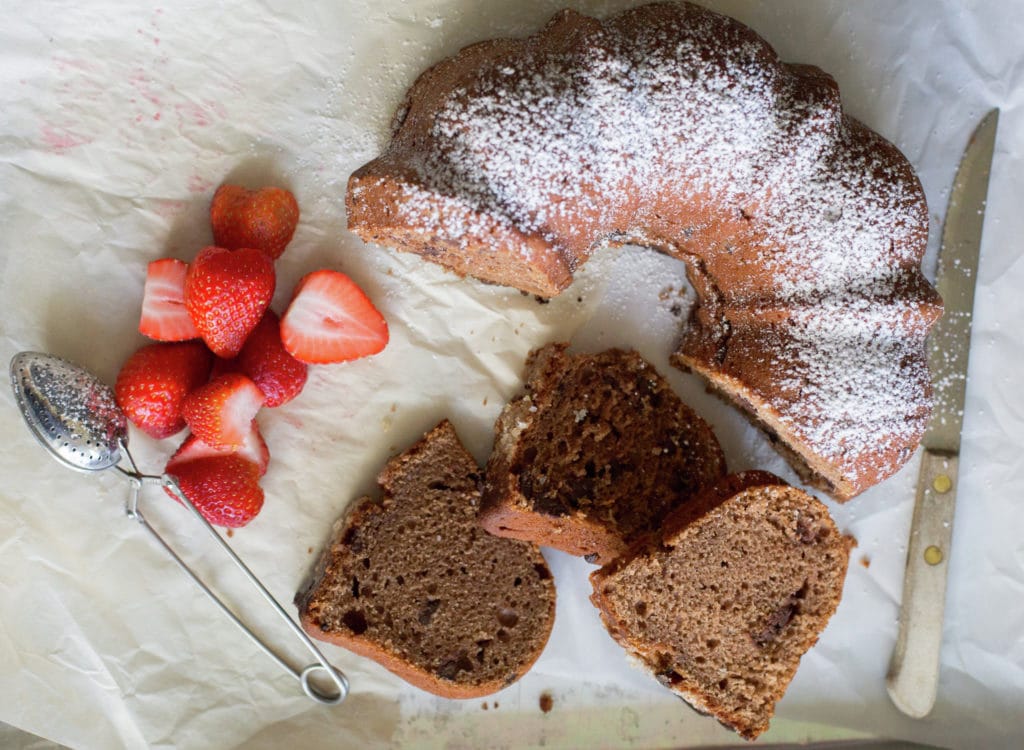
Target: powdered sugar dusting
(860, 377)
(582, 134)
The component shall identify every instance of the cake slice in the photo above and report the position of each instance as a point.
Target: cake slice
(413, 583)
(723, 603)
(595, 453)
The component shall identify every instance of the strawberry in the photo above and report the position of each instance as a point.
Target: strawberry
(224, 366)
(265, 219)
(225, 489)
(226, 294)
(264, 359)
(154, 382)
(254, 449)
(330, 319)
(220, 413)
(164, 316)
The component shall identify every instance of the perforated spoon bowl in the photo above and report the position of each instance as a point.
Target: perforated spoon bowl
(75, 417)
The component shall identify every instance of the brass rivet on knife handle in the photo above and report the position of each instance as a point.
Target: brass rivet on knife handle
(914, 671)
(913, 676)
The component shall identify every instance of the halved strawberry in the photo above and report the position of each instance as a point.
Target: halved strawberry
(330, 319)
(164, 316)
(265, 219)
(254, 449)
(226, 294)
(225, 489)
(220, 413)
(154, 382)
(264, 359)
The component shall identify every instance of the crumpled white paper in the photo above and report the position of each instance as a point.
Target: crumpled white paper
(118, 121)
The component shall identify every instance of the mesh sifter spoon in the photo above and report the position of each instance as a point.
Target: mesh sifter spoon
(74, 416)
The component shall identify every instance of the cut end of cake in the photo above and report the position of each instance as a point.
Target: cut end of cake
(413, 583)
(721, 606)
(595, 454)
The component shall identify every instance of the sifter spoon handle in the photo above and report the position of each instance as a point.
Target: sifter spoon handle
(321, 664)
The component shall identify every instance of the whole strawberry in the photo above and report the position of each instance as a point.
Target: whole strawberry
(225, 489)
(265, 219)
(226, 294)
(264, 359)
(154, 382)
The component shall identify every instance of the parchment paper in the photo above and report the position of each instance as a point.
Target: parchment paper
(117, 121)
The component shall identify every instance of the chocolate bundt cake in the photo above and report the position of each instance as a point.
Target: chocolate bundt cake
(676, 128)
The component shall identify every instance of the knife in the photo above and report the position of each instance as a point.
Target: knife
(913, 676)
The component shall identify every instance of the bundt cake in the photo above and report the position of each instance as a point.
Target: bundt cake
(413, 583)
(676, 128)
(595, 453)
(721, 605)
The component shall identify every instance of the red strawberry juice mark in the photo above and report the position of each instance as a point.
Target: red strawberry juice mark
(168, 209)
(200, 114)
(141, 83)
(68, 63)
(193, 113)
(198, 184)
(60, 139)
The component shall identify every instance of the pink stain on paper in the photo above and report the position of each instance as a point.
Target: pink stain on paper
(168, 209)
(199, 184)
(60, 139)
(151, 102)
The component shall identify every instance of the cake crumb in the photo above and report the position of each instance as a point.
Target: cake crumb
(546, 702)
(309, 550)
(484, 705)
(865, 562)
(230, 533)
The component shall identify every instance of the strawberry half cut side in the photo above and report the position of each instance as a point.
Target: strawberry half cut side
(254, 450)
(164, 317)
(220, 413)
(330, 319)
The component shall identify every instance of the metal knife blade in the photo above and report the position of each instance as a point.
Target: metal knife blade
(950, 339)
(913, 677)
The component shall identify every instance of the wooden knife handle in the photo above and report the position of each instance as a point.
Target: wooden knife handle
(914, 670)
